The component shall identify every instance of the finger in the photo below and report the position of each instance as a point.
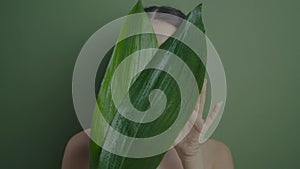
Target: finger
(210, 119)
(200, 107)
(202, 98)
(198, 122)
(197, 104)
(212, 115)
(184, 132)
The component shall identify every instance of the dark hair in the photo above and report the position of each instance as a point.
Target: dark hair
(153, 10)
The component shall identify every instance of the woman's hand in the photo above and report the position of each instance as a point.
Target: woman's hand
(189, 149)
(192, 154)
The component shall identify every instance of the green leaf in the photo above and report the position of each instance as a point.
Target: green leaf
(140, 89)
(120, 52)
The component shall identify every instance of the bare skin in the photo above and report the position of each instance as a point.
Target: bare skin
(189, 153)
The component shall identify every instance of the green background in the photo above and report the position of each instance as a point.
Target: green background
(258, 42)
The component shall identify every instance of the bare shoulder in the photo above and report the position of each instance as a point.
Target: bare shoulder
(76, 152)
(78, 141)
(217, 146)
(218, 153)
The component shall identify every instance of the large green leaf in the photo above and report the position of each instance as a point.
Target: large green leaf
(139, 91)
(119, 53)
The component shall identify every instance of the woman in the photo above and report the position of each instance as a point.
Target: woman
(189, 153)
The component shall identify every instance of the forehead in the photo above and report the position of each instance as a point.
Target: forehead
(163, 28)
